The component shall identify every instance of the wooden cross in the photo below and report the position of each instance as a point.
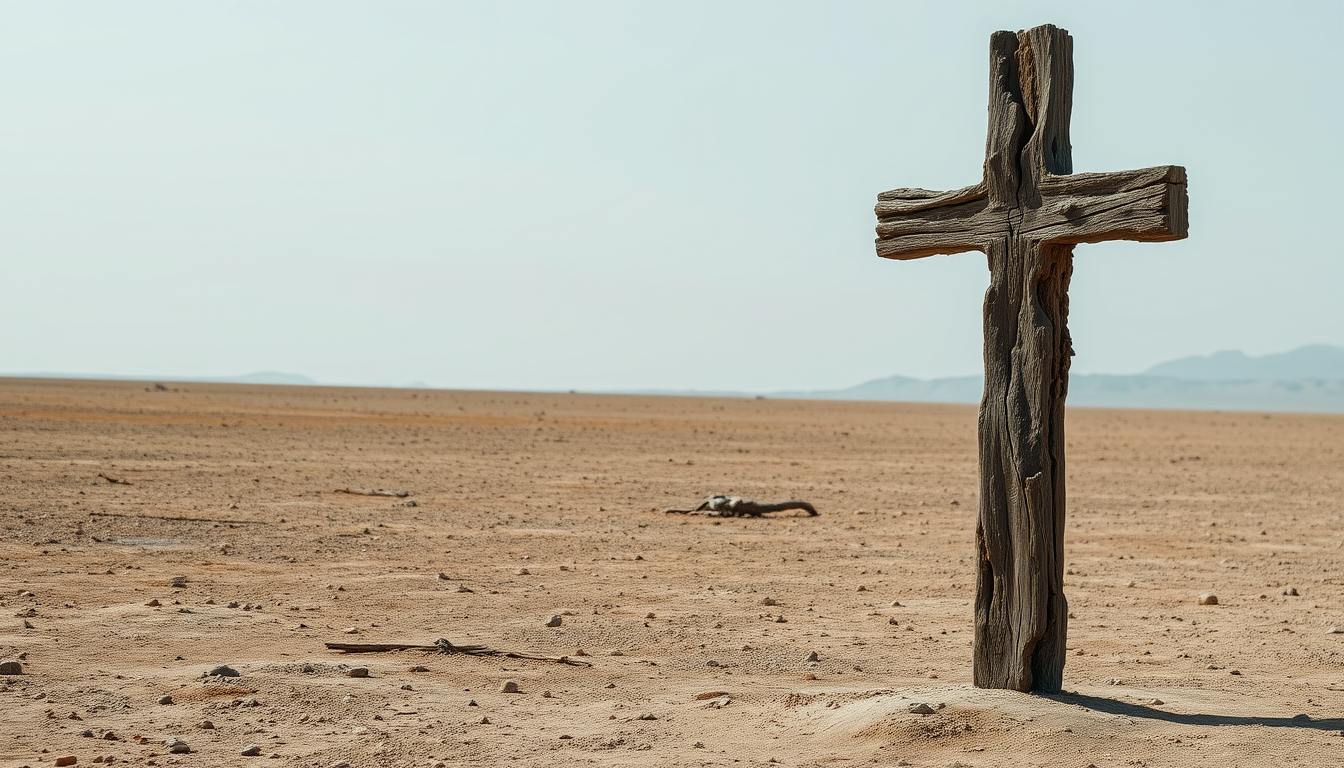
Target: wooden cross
(1026, 215)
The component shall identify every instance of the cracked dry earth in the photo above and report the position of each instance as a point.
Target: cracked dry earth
(528, 506)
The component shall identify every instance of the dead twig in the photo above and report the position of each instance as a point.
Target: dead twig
(114, 480)
(178, 519)
(374, 492)
(444, 646)
(733, 506)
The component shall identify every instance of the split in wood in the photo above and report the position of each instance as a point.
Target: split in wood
(444, 646)
(733, 506)
(374, 492)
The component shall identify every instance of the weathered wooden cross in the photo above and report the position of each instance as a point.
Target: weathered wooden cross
(1026, 215)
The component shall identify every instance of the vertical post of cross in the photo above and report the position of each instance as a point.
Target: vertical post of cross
(1026, 215)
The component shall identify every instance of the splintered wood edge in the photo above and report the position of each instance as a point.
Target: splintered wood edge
(898, 201)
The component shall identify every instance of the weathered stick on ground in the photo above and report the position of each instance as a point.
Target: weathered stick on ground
(444, 646)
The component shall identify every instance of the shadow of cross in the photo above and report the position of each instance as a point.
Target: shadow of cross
(1026, 215)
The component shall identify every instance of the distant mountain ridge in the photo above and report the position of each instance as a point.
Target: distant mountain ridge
(1318, 361)
(1308, 379)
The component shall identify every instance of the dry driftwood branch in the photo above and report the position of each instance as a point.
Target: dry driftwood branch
(733, 506)
(374, 492)
(444, 646)
(114, 480)
(1027, 214)
(178, 519)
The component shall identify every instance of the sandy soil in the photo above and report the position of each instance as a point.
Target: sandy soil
(528, 506)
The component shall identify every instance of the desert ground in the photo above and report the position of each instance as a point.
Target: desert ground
(153, 533)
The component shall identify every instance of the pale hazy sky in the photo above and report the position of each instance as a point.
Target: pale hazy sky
(585, 195)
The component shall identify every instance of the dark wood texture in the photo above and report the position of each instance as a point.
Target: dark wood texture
(1026, 215)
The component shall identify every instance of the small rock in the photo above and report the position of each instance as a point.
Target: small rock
(417, 668)
(86, 734)
(444, 577)
(223, 670)
(251, 750)
(1114, 681)
(472, 703)
(554, 621)
(781, 620)
(566, 736)
(251, 703)
(1291, 592)
(609, 685)
(719, 702)
(509, 686)
(206, 725)
(524, 572)
(464, 588)
(178, 582)
(67, 760)
(176, 746)
(165, 699)
(710, 695)
(1330, 631)
(896, 604)
(646, 716)
(11, 668)
(809, 676)
(154, 603)
(921, 709)
(1235, 672)
(812, 657)
(711, 663)
(1208, 598)
(339, 764)
(485, 721)
(862, 588)
(547, 695)
(769, 601)
(357, 672)
(351, 630)
(110, 736)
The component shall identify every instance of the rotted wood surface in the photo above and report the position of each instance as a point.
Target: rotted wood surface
(1026, 215)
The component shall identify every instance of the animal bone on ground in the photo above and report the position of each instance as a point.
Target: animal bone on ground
(734, 506)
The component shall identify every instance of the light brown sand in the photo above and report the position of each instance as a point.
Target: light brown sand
(1163, 506)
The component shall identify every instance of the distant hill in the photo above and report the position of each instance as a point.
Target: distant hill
(1318, 361)
(1309, 379)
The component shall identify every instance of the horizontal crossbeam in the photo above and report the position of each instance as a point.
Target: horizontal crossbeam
(1147, 205)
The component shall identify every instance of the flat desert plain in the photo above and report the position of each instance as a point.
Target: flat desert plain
(151, 534)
